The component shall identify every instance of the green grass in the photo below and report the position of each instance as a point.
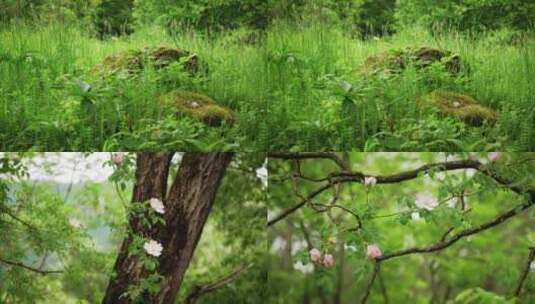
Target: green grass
(289, 92)
(43, 109)
(310, 66)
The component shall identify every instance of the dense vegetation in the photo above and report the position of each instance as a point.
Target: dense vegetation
(366, 227)
(297, 75)
(60, 239)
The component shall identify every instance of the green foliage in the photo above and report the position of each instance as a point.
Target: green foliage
(474, 15)
(391, 218)
(80, 110)
(77, 229)
(113, 17)
(204, 15)
(479, 296)
(325, 97)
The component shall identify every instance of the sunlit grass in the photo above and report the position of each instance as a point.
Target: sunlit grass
(41, 106)
(310, 65)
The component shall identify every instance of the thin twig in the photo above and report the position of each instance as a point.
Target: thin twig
(376, 269)
(199, 291)
(446, 242)
(343, 177)
(40, 271)
(524, 275)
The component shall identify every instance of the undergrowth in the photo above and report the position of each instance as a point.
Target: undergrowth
(294, 89)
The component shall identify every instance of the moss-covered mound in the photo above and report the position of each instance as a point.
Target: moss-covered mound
(133, 61)
(199, 107)
(394, 61)
(459, 106)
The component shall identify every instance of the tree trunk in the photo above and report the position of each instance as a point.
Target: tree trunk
(187, 207)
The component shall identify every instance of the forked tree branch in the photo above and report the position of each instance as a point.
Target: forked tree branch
(358, 177)
(199, 291)
(445, 241)
(448, 241)
(37, 270)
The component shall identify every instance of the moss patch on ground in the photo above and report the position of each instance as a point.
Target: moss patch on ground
(460, 106)
(199, 107)
(395, 61)
(132, 61)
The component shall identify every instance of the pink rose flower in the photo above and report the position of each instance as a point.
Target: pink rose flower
(328, 260)
(493, 156)
(118, 158)
(315, 255)
(373, 251)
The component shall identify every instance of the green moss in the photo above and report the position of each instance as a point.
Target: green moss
(459, 106)
(199, 107)
(394, 61)
(133, 61)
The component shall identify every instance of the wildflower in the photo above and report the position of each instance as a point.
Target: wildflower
(315, 255)
(415, 216)
(304, 268)
(153, 248)
(328, 260)
(425, 200)
(493, 156)
(157, 205)
(373, 251)
(370, 181)
(117, 158)
(75, 223)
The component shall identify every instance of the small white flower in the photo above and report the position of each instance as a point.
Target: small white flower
(304, 268)
(456, 104)
(415, 216)
(75, 223)
(532, 266)
(262, 174)
(153, 248)
(350, 248)
(195, 105)
(370, 181)
(157, 205)
(425, 200)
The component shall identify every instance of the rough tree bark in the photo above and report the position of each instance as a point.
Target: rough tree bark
(187, 207)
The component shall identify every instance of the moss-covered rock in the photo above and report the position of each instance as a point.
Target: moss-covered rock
(199, 107)
(394, 61)
(132, 61)
(460, 106)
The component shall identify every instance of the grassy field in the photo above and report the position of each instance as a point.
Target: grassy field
(320, 69)
(293, 88)
(43, 71)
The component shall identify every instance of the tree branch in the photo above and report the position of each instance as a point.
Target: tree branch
(524, 275)
(448, 241)
(199, 291)
(40, 271)
(376, 269)
(344, 177)
(290, 210)
(308, 155)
